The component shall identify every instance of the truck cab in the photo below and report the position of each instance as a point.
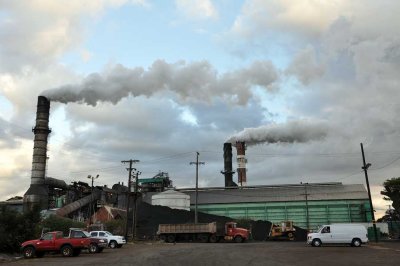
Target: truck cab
(232, 232)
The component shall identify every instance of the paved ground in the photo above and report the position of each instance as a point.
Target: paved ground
(253, 253)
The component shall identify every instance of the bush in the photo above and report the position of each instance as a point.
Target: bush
(116, 227)
(56, 223)
(16, 228)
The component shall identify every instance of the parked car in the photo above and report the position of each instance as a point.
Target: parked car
(352, 234)
(55, 242)
(96, 245)
(113, 240)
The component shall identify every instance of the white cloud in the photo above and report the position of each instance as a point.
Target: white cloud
(36, 33)
(197, 9)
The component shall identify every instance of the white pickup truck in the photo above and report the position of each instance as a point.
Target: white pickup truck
(113, 241)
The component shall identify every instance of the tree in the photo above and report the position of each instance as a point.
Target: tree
(16, 228)
(392, 192)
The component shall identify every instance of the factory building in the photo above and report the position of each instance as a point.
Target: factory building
(308, 205)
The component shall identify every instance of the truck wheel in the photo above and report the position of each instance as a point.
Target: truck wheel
(93, 248)
(170, 238)
(238, 239)
(213, 239)
(113, 244)
(203, 238)
(316, 243)
(66, 251)
(356, 242)
(76, 252)
(29, 252)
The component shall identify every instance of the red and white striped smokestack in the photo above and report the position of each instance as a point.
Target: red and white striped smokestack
(37, 193)
(241, 162)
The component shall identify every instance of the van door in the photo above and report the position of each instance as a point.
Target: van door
(326, 235)
(340, 234)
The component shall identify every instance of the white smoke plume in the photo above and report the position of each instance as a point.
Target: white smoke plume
(290, 132)
(193, 81)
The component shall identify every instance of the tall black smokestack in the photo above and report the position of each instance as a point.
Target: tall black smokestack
(228, 166)
(37, 193)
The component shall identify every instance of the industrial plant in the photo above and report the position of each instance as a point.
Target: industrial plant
(307, 205)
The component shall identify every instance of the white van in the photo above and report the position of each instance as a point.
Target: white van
(353, 234)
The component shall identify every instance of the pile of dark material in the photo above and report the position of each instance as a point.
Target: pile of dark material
(149, 217)
(300, 234)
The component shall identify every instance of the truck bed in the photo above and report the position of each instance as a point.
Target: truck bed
(187, 228)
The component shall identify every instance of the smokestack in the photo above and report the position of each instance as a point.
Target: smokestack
(241, 163)
(228, 166)
(37, 193)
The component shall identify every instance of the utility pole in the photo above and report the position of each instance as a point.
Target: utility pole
(307, 215)
(197, 185)
(91, 203)
(128, 195)
(135, 203)
(365, 168)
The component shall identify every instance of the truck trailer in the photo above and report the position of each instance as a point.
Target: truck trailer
(203, 232)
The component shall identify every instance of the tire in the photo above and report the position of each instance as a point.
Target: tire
(316, 243)
(93, 248)
(203, 238)
(67, 251)
(170, 238)
(29, 252)
(76, 252)
(238, 239)
(356, 242)
(213, 239)
(119, 246)
(40, 254)
(113, 244)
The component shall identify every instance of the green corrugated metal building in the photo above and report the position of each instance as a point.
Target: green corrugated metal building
(308, 205)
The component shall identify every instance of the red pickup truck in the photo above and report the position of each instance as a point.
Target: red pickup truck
(56, 242)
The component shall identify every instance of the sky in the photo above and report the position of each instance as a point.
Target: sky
(303, 82)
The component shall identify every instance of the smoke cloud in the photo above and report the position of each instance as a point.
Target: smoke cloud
(194, 81)
(291, 132)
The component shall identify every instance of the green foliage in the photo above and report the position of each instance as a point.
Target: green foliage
(392, 192)
(56, 223)
(16, 228)
(116, 227)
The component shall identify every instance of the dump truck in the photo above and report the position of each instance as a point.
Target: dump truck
(282, 231)
(203, 232)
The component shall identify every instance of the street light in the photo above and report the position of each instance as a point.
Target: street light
(91, 202)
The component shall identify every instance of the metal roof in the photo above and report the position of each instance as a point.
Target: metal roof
(294, 192)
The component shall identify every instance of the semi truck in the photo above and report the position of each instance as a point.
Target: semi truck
(203, 232)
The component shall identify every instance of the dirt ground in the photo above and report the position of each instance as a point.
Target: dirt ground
(251, 253)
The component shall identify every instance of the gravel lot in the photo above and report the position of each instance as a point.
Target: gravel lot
(252, 253)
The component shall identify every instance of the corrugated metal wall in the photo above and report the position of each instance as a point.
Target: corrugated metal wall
(319, 212)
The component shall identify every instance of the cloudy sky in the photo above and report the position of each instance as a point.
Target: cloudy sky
(305, 82)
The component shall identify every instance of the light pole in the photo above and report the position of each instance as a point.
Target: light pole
(91, 202)
(197, 185)
(135, 203)
(365, 168)
(307, 214)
